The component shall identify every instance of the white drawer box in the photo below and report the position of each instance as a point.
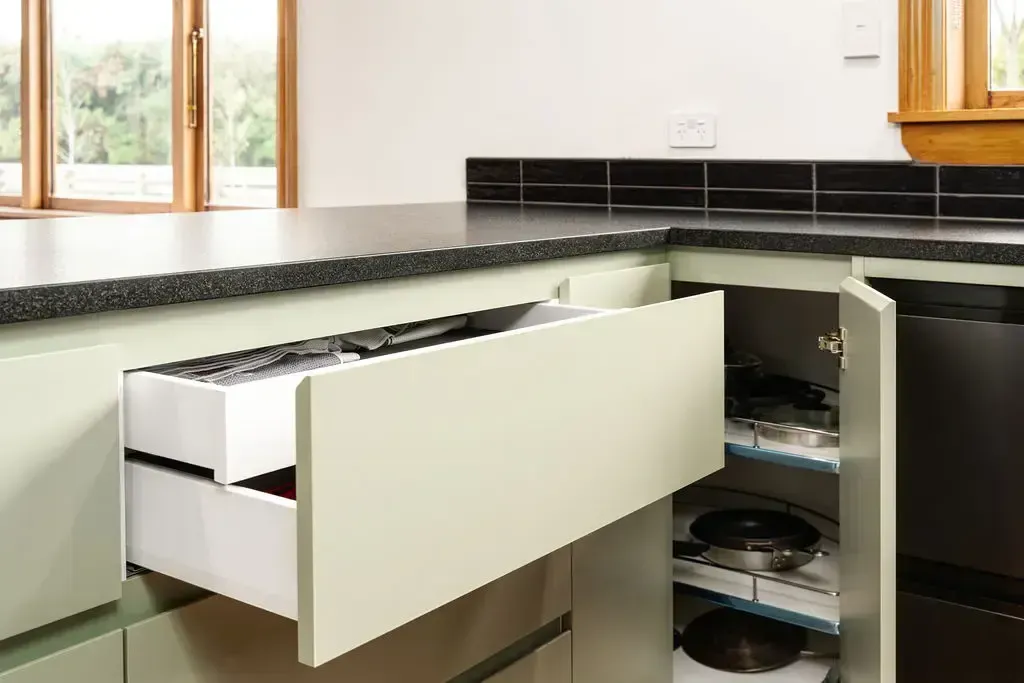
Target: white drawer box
(426, 474)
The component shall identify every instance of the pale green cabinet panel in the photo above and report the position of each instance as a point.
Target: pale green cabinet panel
(100, 660)
(551, 663)
(867, 493)
(142, 597)
(219, 640)
(60, 485)
(626, 288)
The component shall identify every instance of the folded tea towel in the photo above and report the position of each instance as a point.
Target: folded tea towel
(371, 340)
(274, 361)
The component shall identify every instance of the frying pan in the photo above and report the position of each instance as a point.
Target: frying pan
(755, 540)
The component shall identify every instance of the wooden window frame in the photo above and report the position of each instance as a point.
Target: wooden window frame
(946, 112)
(188, 145)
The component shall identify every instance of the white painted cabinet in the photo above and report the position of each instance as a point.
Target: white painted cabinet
(424, 475)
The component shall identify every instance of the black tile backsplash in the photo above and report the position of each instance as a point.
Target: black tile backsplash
(565, 172)
(660, 173)
(658, 196)
(565, 194)
(863, 188)
(982, 180)
(760, 175)
(878, 204)
(875, 178)
(961, 206)
(493, 171)
(486, 192)
(753, 200)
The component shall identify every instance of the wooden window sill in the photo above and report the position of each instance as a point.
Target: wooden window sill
(966, 136)
(18, 212)
(956, 115)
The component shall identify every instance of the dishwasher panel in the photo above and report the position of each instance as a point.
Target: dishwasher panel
(960, 443)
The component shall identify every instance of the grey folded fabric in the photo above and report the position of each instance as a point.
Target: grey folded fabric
(274, 361)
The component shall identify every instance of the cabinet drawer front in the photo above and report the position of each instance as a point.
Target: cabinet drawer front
(942, 642)
(100, 660)
(60, 483)
(223, 641)
(478, 457)
(551, 663)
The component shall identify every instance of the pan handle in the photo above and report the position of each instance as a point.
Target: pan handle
(684, 549)
(791, 552)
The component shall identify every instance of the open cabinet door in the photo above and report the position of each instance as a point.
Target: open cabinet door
(868, 485)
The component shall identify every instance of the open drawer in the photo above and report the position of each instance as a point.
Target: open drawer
(426, 474)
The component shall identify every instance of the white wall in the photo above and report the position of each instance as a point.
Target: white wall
(394, 94)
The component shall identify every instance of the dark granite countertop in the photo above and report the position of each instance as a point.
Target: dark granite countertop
(63, 267)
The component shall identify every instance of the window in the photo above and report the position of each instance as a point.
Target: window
(10, 101)
(147, 105)
(962, 80)
(1006, 53)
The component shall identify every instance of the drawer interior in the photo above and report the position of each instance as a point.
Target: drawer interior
(239, 424)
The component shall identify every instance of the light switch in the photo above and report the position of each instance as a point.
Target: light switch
(862, 30)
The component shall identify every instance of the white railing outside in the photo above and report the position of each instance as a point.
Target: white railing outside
(237, 186)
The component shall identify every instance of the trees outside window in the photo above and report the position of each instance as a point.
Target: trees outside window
(147, 105)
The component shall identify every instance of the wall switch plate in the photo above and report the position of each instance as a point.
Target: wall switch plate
(691, 130)
(862, 29)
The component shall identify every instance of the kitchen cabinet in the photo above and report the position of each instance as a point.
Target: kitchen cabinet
(60, 485)
(574, 429)
(551, 663)
(865, 613)
(519, 415)
(100, 660)
(219, 640)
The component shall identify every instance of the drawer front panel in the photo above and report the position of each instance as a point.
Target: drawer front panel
(100, 660)
(223, 641)
(551, 663)
(425, 475)
(60, 486)
(941, 642)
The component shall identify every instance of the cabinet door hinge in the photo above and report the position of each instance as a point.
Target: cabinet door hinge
(835, 343)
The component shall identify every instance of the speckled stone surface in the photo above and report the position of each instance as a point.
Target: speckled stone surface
(66, 267)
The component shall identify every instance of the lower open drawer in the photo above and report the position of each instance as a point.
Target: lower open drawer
(426, 474)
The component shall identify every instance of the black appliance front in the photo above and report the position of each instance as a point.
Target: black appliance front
(960, 481)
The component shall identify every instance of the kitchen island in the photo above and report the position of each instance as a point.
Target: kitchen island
(84, 300)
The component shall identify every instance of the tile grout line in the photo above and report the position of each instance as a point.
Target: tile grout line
(522, 199)
(706, 193)
(608, 181)
(814, 188)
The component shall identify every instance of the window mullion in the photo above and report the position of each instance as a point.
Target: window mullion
(34, 104)
(287, 105)
(976, 37)
(188, 157)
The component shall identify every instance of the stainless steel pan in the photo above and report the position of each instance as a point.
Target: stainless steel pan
(753, 540)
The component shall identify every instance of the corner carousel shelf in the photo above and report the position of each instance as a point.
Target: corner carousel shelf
(746, 439)
(807, 596)
(804, 670)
